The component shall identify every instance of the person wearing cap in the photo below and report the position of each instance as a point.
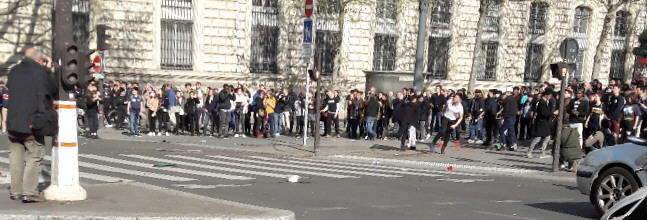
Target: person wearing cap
(542, 123)
(578, 110)
(509, 110)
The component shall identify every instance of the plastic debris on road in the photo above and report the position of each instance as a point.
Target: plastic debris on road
(203, 141)
(450, 168)
(294, 179)
(164, 165)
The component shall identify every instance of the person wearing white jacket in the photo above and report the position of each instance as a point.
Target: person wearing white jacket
(240, 111)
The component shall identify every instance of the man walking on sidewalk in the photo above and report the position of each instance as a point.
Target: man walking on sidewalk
(29, 83)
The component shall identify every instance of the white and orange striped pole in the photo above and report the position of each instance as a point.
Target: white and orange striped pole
(65, 157)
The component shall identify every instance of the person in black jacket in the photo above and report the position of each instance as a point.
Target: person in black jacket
(490, 117)
(25, 81)
(224, 106)
(578, 110)
(542, 123)
(92, 100)
(425, 108)
(409, 116)
(121, 103)
(210, 104)
(476, 114)
(509, 114)
(192, 116)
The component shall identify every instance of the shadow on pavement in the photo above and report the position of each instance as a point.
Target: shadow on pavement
(579, 209)
(568, 187)
(520, 166)
(279, 143)
(384, 148)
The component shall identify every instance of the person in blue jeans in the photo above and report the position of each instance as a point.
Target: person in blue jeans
(509, 113)
(477, 112)
(134, 109)
(372, 109)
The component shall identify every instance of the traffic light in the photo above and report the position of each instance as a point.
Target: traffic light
(558, 69)
(85, 65)
(76, 66)
(102, 37)
(70, 66)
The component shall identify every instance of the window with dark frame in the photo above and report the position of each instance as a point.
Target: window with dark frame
(81, 21)
(327, 44)
(437, 55)
(580, 28)
(492, 17)
(619, 52)
(386, 38)
(534, 62)
(535, 48)
(265, 35)
(438, 49)
(177, 35)
(489, 61)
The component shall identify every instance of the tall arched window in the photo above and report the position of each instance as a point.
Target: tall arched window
(327, 35)
(618, 51)
(580, 28)
(386, 37)
(177, 34)
(439, 39)
(265, 36)
(535, 48)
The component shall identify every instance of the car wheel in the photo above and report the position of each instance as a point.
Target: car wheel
(612, 186)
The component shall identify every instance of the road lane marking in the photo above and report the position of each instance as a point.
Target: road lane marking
(251, 166)
(513, 216)
(465, 180)
(389, 167)
(305, 167)
(102, 178)
(130, 172)
(170, 169)
(345, 167)
(437, 164)
(275, 175)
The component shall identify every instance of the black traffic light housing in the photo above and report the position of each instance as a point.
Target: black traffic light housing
(556, 69)
(102, 37)
(75, 69)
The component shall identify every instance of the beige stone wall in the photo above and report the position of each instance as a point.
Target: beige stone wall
(222, 40)
(28, 25)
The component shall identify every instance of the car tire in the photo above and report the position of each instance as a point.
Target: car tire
(611, 186)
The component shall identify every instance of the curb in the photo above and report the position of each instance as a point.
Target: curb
(269, 213)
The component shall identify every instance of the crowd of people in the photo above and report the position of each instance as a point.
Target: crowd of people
(498, 118)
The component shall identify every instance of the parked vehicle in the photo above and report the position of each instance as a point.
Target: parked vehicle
(613, 173)
(633, 207)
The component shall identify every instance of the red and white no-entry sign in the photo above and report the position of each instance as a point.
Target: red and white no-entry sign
(309, 8)
(97, 64)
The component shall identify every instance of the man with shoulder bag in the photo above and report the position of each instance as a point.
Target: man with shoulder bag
(31, 118)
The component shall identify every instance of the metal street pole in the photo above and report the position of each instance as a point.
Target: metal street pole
(305, 104)
(420, 47)
(65, 160)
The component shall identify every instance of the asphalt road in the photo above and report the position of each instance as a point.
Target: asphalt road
(328, 189)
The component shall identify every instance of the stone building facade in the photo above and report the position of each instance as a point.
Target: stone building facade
(259, 41)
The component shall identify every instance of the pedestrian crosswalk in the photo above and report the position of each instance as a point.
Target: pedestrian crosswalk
(194, 168)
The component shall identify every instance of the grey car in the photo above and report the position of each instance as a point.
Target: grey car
(610, 174)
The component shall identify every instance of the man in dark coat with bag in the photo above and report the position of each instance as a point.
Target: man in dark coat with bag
(29, 83)
(542, 124)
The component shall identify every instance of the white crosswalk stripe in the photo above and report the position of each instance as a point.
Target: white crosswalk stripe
(386, 167)
(276, 175)
(251, 166)
(130, 172)
(305, 167)
(91, 176)
(345, 167)
(170, 169)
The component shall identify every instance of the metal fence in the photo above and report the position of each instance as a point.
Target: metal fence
(438, 56)
(177, 34)
(537, 22)
(618, 51)
(535, 48)
(441, 13)
(384, 52)
(487, 67)
(81, 21)
(265, 36)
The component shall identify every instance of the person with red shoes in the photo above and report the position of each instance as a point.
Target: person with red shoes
(452, 118)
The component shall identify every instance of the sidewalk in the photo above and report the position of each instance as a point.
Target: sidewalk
(137, 201)
(467, 158)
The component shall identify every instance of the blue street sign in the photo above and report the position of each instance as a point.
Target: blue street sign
(307, 31)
